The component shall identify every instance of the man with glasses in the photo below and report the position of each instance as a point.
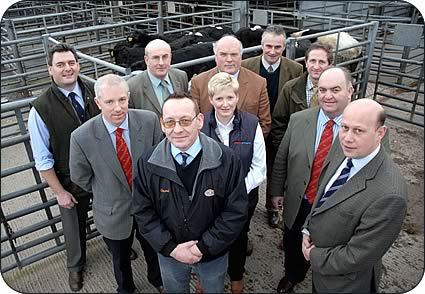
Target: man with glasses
(190, 199)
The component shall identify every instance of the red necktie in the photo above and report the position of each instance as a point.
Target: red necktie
(319, 158)
(124, 156)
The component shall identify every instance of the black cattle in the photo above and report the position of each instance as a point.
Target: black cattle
(189, 39)
(125, 55)
(216, 32)
(250, 37)
(191, 52)
(139, 38)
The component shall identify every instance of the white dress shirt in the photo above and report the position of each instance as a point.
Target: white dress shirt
(258, 170)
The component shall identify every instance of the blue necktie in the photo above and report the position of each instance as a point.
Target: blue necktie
(184, 157)
(342, 178)
(77, 106)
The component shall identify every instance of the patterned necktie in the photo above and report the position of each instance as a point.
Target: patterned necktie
(184, 157)
(314, 98)
(319, 158)
(339, 182)
(77, 106)
(164, 90)
(124, 156)
(270, 69)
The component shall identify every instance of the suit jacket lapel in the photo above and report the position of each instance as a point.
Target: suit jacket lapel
(354, 185)
(177, 86)
(243, 87)
(136, 139)
(149, 91)
(107, 150)
(309, 134)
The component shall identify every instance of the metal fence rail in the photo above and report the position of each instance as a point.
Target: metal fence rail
(394, 88)
(27, 207)
(29, 217)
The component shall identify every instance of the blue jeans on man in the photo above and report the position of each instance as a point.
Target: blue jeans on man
(176, 275)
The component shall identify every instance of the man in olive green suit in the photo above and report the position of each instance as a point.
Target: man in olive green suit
(359, 208)
(277, 70)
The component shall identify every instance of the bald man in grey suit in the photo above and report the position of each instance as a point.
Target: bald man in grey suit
(96, 166)
(146, 90)
(350, 229)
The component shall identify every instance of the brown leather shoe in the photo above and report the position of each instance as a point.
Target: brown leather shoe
(274, 218)
(237, 287)
(75, 280)
(285, 286)
(161, 289)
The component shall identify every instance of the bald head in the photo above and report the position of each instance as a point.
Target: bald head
(156, 45)
(158, 58)
(228, 54)
(369, 108)
(335, 91)
(362, 128)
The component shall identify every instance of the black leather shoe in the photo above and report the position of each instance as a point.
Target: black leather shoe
(274, 218)
(75, 281)
(249, 248)
(133, 254)
(285, 286)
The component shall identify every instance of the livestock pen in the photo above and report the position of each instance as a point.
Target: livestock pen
(32, 241)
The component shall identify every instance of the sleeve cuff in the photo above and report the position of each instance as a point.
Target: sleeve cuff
(168, 248)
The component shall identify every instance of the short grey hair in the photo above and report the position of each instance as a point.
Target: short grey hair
(110, 80)
(274, 29)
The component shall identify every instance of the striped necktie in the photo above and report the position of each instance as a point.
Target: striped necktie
(270, 69)
(124, 156)
(339, 182)
(184, 157)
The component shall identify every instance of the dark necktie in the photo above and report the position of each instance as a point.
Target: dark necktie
(184, 157)
(270, 69)
(124, 156)
(319, 158)
(77, 106)
(164, 90)
(339, 182)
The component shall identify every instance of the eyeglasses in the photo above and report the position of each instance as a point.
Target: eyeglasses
(171, 123)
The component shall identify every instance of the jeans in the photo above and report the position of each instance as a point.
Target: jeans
(176, 275)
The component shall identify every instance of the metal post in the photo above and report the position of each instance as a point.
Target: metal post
(369, 51)
(160, 22)
(240, 17)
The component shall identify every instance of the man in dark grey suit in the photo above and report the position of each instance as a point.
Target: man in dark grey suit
(103, 154)
(149, 89)
(293, 175)
(359, 209)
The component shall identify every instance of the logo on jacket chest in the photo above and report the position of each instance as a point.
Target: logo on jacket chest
(209, 193)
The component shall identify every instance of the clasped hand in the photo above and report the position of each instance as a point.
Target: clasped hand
(307, 245)
(187, 252)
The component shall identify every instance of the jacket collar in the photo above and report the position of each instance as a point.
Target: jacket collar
(211, 154)
(236, 120)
